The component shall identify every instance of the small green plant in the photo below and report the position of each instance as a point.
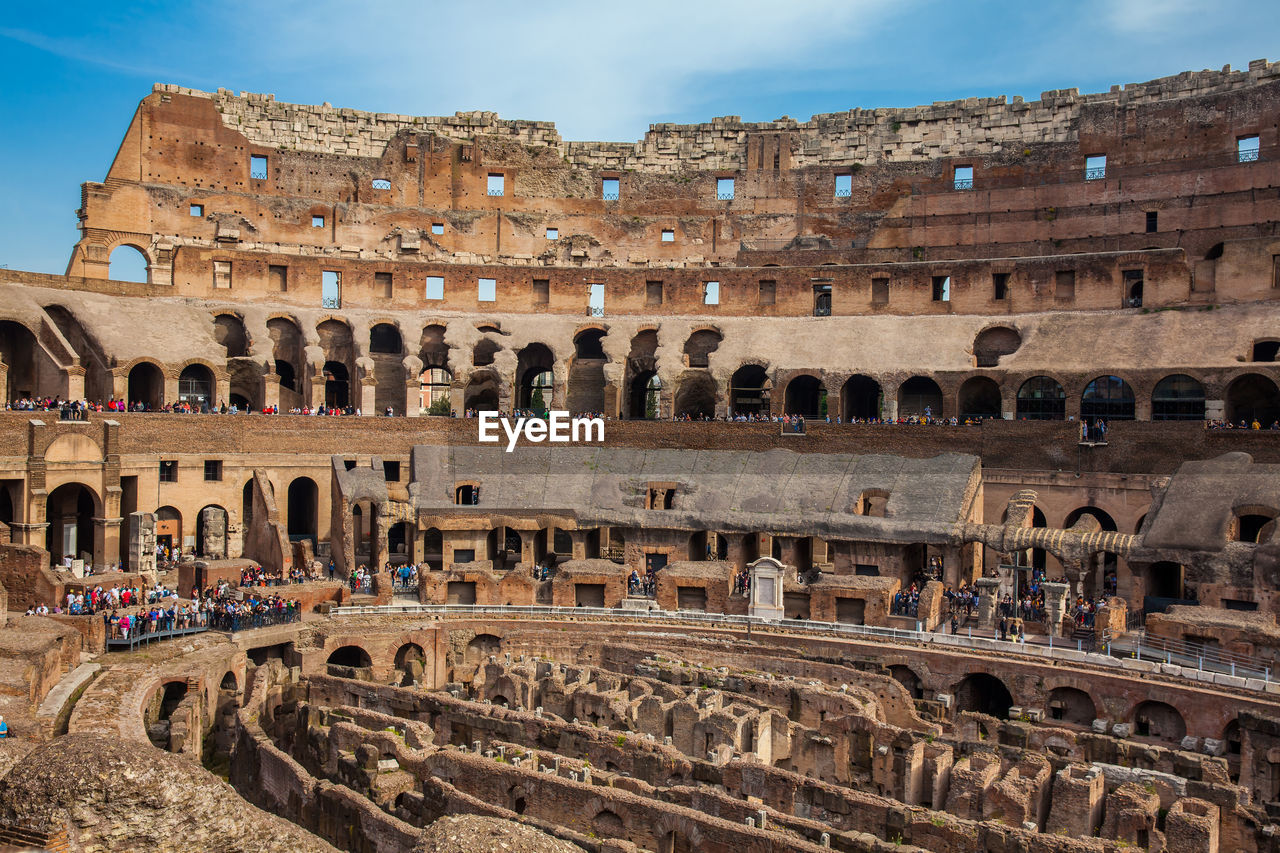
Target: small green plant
(897, 126)
(621, 741)
(938, 821)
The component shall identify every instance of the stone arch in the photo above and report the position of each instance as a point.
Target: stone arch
(586, 387)
(230, 333)
(861, 399)
(129, 262)
(607, 824)
(211, 531)
(908, 678)
(984, 693)
(350, 655)
(337, 384)
(695, 396)
(1164, 579)
(1159, 720)
(919, 396)
(288, 358)
(386, 352)
(97, 379)
(432, 349)
(302, 509)
(1107, 398)
(1252, 396)
(1041, 398)
(1265, 349)
(197, 387)
(805, 395)
(158, 711)
(750, 390)
(700, 344)
(69, 510)
(229, 681)
(21, 353)
(169, 529)
(384, 338)
(484, 352)
(993, 343)
(480, 647)
(1071, 705)
(535, 376)
(1177, 397)
(481, 392)
(979, 398)
(407, 655)
(645, 396)
(1252, 523)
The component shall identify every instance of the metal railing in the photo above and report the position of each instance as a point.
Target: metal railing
(962, 184)
(724, 196)
(609, 196)
(1247, 155)
(135, 640)
(1170, 651)
(844, 193)
(1071, 650)
(233, 622)
(1095, 174)
(331, 302)
(497, 192)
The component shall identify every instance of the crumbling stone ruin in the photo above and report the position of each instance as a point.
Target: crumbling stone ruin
(1015, 332)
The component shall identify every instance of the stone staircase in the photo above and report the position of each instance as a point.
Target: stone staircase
(586, 386)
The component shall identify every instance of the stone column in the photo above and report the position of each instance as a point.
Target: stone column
(75, 382)
(412, 391)
(889, 409)
(579, 538)
(368, 400)
(170, 389)
(271, 389)
(4, 381)
(106, 542)
(221, 391)
(987, 590)
(526, 547)
(1055, 606)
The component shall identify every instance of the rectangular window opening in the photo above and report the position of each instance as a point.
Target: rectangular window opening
(844, 186)
(724, 189)
(1133, 288)
(768, 292)
(197, 210)
(942, 288)
(1247, 149)
(668, 235)
(317, 221)
(553, 233)
(168, 471)
(963, 178)
(258, 167)
(435, 287)
(595, 300)
(1064, 285)
(212, 470)
(487, 290)
(541, 291)
(222, 274)
(437, 228)
(879, 291)
(497, 183)
(822, 300)
(1153, 221)
(653, 293)
(330, 289)
(1275, 271)
(382, 284)
(711, 293)
(1000, 284)
(278, 277)
(609, 189)
(391, 470)
(1095, 167)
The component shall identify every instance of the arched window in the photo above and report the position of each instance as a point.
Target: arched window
(1107, 398)
(128, 263)
(1041, 398)
(1177, 398)
(433, 396)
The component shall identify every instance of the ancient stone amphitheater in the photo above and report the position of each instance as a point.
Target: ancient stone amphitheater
(1011, 587)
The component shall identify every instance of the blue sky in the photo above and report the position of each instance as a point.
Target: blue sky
(74, 71)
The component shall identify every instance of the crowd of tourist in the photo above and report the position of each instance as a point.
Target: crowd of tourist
(646, 585)
(1216, 423)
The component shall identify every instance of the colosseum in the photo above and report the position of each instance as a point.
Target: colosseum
(874, 553)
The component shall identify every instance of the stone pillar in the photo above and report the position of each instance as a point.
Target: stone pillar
(271, 389)
(457, 398)
(412, 391)
(579, 538)
(379, 528)
(142, 542)
(1076, 804)
(4, 381)
(213, 531)
(988, 588)
(170, 389)
(75, 382)
(766, 589)
(1192, 826)
(526, 547)
(889, 410)
(368, 399)
(1055, 606)
(221, 392)
(106, 542)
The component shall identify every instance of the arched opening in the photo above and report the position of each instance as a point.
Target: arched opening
(1107, 398)
(533, 367)
(97, 380)
(480, 647)
(1071, 705)
(606, 824)
(695, 397)
(991, 344)
(920, 397)
(146, 386)
(1253, 523)
(128, 263)
(434, 385)
(749, 390)
(1265, 350)
(351, 657)
(398, 538)
(1177, 398)
(907, 677)
(1159, 720)
(303, 509)
(700, 345)
(18, 350)
(336, 381)
(229, 682)
(1041, 398)
(169, 530)
(432, 349)
(288, 357)
(1253, 397)
(805, 396)
(246, 507)
(862, 398)
(195, 387)
(984, 694)
(230, 333)
(211, 532)
(484, 353)
(503, 546)
(433, 548)
(69, 511)
(979, 398)
(411, 660)
(646, 396)
(586, 373)
(1100, 567)
(384, 338)
(481, 393)
(159, 712)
